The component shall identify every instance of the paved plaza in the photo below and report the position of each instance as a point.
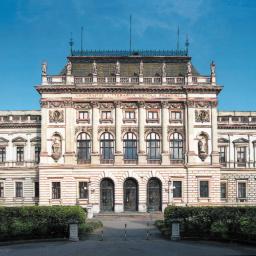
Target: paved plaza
(114, 243)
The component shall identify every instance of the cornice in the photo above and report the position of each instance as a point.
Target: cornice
(21, 125)
(237, 126)
(127, 89)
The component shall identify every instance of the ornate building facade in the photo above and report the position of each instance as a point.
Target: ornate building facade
(120, 131)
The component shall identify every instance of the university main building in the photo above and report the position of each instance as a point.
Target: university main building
(128, 131)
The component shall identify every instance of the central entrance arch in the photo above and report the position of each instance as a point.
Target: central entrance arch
(130, 195)
(154, 195)
(107, 191)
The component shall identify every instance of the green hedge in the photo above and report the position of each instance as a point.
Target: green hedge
(38, 221)
(221, 223)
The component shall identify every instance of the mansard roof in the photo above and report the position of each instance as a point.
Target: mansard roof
(176, 63)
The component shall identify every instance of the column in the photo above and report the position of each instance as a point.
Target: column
(164, 124)
(69, 135)
(215, 150)
(142, 157)
(44, 122)
(190, 134)
(118, 137)
(95, 142)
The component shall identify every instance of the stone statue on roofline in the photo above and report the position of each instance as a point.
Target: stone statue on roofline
(189, 68)
(213, 67)
(141, 68)
(117, 68)
(164, 69)
(94, 68)
(69, 68)
(44, 69)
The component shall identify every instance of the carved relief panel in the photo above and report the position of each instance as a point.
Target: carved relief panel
(56, 116)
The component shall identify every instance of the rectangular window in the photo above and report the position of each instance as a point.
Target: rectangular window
(83, 115)
(153, 115)
(204, 188)
(175, 115)
(83, 190)
(18, 189)
(241, 189)
(2, 154)
(223, 190)
(37, 154)
(55, 190)
(1, 189)
(106, 115)
(241, 154)
(20, 154)
(177, 189)
(222, 151)
(36, 189)
(129, 114)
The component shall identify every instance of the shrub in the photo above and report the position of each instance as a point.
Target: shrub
(38, 221)
(229, 223)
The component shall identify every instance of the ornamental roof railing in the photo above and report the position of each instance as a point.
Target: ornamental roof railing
(126, 53)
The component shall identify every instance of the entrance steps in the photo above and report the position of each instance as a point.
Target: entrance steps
(130, 215)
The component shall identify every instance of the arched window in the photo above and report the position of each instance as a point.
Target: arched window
(176, 146)
(107, 147)
(153, 146)
(83, 148)
(130, 146)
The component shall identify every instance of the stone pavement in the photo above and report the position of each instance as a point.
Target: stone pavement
(114, 243)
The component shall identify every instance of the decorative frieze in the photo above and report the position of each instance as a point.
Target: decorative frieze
(202, 116)
(82, 105)
(80, 129)
(202, 104)
(172, 129)
(132, 105)
(151, 105)
(153, 129)
(106, 129)
(56, 116)
(176, 105)
(106, 105)
(130, 129)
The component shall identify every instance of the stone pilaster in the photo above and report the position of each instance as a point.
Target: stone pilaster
(95, 142)
(44, 122)
(164, 124)
(118, 137)
(215, 150)
(190, 135)
(142, 157)
(69, 155)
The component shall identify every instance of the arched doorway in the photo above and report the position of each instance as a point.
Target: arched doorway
(130, 195)
(107, 195)
(154, 195)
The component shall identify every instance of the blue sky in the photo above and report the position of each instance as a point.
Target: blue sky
(33, 31)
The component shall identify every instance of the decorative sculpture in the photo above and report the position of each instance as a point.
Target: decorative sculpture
(202, 116)
(56, 147)
(202, 146)
(117, 68)
(164, 70)
(213, 67)
(56, 116)
(94, 68)
(189, 68)
(141, 68)
(69, 68)
(44, 69)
